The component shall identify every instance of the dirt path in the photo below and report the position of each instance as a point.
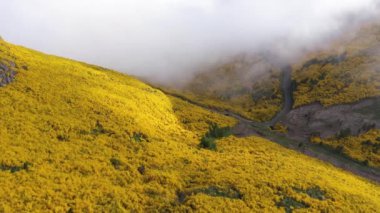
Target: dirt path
(287, 92)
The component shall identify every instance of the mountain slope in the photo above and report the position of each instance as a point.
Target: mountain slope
(332, 96)
(79, 138)
(346, 72)
(248, 85)
(342, 83)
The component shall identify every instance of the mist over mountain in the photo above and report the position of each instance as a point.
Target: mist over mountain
(169, 40)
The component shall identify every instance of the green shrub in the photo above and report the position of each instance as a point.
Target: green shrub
(139, 137)
(25, 166)
(218, 132)
(115, 163)
(208, 143)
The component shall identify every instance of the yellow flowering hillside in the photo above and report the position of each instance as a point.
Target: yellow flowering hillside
(79, 138)
(364, 148)
(347, 72)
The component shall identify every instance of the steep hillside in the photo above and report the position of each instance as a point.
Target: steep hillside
(248, 85)
(331, 99)
(347, 72)
(79, 138)
(342, 84)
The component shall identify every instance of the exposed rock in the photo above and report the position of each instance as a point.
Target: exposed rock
(314, 119)
(7, 74)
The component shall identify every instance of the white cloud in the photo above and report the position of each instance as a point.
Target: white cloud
(167, 38)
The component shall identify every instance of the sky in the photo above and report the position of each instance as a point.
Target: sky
(166, 40)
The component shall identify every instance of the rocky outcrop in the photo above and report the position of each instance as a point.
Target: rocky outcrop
(340, 120)
(7, 73)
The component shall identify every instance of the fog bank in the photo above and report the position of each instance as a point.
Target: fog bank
(167, 40)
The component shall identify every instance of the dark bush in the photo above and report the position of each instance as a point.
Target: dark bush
(218, 132)
(25, 166)
(181, 196)
(139, 137)
(208, 143)
(63, 137)
(115, 163)
(99, 129)
(141, 169)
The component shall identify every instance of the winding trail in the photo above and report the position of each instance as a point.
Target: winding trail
(287, 92)
(247, 127)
